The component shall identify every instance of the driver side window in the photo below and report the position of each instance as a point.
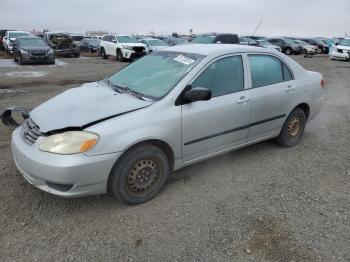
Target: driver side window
(223, 76)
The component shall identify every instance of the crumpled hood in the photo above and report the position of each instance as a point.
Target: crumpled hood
(82, 106)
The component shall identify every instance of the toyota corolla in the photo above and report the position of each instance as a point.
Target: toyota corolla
(128, 133)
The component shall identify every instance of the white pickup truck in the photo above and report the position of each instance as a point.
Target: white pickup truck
(123, 47)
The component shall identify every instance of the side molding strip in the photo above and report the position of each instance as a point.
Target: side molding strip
(235, 129)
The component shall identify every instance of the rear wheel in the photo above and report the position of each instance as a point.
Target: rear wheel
(139, 174)
(293, 129)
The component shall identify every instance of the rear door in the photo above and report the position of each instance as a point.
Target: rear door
(219, 124)
(273, 93)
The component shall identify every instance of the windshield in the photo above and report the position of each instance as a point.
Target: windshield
(93, 41)
(127, 39)
(204, 39)
(345, 42)
(32, 42)
(157, 42)
(287, 40)
(17, 34)
(156, 74)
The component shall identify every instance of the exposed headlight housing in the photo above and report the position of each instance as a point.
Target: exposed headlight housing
(50, 52)
(127, 47)
(71, 142)
(24, 52)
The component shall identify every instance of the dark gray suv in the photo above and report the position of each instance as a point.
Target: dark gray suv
(288, 46)
(215, 38)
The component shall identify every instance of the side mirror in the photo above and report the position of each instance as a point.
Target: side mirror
(336, 43)
(197, 94)
(113, 41)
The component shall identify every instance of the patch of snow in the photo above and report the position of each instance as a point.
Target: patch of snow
(12, 91)
(60, 62)
(8, 63)
(26, 74)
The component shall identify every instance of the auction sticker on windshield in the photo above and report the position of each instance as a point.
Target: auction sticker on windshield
(183, 59)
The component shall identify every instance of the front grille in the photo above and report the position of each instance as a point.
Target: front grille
(59, 187)
(30, 131)
(38, 53)
(138, 48)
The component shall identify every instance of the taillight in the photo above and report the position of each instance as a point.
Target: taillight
(323, 83)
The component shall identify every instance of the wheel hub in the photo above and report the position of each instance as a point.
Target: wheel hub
(143, 176)
(294, 127)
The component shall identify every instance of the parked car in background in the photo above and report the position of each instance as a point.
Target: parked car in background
(10, 37)
(76, 38)
(323, 48)
(248, 41)
(171, 40)
(32, 49)
(153, 44)
(2, 35)
(257, 38)
(288, 46)
(62, 44)
(169, 109)
(266, 44)
(307, 48)
(341, 50)
(90, 45)
(216, 38)
(123, 47)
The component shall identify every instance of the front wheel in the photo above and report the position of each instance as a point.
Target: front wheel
(120, 57)
(288, 51)
(139, 174)
(293, 129)
(103, 53)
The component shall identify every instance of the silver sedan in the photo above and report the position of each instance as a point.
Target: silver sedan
(128, 133)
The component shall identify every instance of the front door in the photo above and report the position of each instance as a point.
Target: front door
(221, 123)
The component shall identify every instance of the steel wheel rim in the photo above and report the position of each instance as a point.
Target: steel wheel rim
(294, 127)
(143, 177)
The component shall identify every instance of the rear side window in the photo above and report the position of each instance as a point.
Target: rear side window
(223, 76)
(268, 70)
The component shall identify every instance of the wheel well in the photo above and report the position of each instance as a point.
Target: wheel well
(160, 144)
(305, 107)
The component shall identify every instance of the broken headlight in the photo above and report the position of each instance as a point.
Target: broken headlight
(71, 142)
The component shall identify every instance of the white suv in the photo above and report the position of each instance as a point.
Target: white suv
(122, 47)
(10, 37)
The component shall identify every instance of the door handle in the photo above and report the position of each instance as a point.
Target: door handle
(289, 88)
(242, 100)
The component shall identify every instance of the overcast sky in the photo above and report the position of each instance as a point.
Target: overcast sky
(280, 17)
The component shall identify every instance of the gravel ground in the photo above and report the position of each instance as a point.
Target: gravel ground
(260, 203)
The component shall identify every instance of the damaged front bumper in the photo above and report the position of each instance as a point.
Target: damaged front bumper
(63, 175)
(73, 175)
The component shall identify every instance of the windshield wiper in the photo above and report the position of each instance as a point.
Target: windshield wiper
(126, 89)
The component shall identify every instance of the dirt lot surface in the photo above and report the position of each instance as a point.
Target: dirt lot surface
(260, 203)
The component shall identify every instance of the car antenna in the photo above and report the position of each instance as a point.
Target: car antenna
(256, 29)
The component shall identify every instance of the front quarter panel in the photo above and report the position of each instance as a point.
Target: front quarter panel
(161, 121)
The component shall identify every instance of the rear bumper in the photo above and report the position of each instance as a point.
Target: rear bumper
(82, 175)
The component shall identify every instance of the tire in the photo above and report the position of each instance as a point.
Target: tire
(77, 55)
(103, 53)
(293, 129)
(20, 61)
(288, 51)
(139, 174)
(120, 57)
(319, 51)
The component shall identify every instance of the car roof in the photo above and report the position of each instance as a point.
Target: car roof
(19, 31)
(208, 49)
